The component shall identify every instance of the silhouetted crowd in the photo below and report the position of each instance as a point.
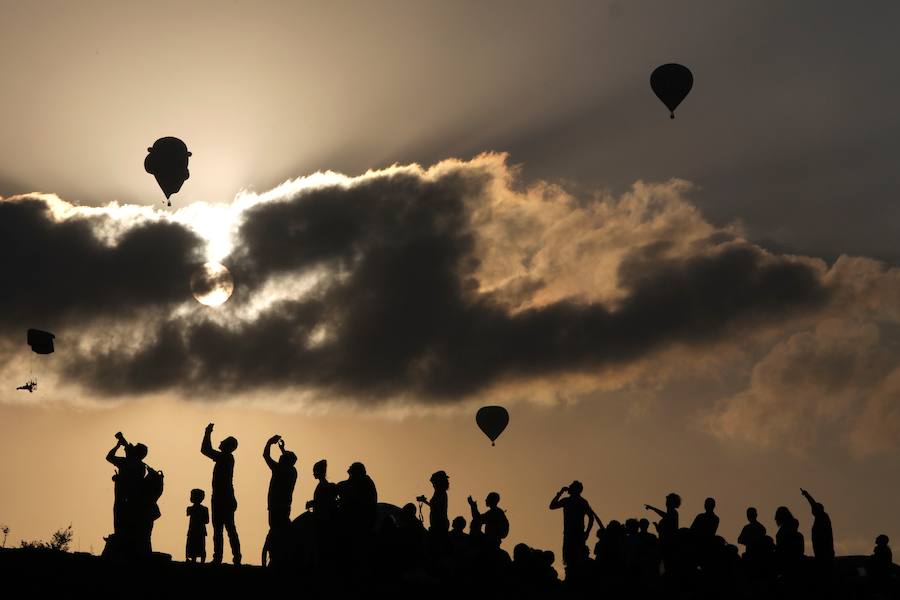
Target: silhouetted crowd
(345, 533)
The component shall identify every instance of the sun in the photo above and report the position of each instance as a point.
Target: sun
(212, 284)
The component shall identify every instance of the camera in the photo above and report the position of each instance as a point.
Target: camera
(421, 499)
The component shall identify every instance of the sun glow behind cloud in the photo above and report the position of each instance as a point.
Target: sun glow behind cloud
(420, 288)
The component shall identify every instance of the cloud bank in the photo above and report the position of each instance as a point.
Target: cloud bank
(441, 285)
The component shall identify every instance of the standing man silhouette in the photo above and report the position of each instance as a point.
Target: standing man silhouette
(575, 510)
(223, 502)
(281, 485)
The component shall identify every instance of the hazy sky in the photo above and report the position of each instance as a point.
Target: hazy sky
(707, 305)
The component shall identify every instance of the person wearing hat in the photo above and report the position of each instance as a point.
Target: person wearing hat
(438, 521)
(223, 501)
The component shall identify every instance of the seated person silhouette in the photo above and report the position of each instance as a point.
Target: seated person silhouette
(753, 533)
(496, 525)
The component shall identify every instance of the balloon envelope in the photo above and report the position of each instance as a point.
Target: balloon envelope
(41, 342)
(671, 83)
(167, 160)
(492, 420)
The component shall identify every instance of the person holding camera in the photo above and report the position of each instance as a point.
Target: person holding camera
(281, 485)
(223, 501)
(438, 521)
(137, 490)
(575, 510)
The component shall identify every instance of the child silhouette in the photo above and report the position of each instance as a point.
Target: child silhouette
(196, 536)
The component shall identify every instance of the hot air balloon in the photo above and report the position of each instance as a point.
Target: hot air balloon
(492, 420)
(167, 160)
(671, 83)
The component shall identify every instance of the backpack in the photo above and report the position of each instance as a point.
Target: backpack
(153, 489)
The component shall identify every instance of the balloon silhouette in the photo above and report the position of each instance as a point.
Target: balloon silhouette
(167, 160)
(492, 420)
(671, 83)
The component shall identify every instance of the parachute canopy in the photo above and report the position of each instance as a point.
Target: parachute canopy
(671, 83)
(41, 342)
(167, 160)
(492, 420)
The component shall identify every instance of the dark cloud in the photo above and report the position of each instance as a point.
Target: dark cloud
(398, 311)
(61, 274)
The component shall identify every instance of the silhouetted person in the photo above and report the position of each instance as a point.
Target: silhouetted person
(324, 509)
(324, 502)
(789, 544)
(223, 502)
(198, 517)
(882, 560)
(459, 539)
(649, 550)
(667, 528)
(575, 534)
(281, 485)
(411, 535)
(358, 500)
(496, 525)
(703, 531)
(438, 521)
(706, 523)
(822, 537)
(29, 386)
(753, 533)
(134, 506)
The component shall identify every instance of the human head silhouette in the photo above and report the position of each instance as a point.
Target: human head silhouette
(459, 524)
(709, 505)
(631, 526)
(137, 451)
(409, 510)
(882, 540)
(197, 495)
(492, 500)
(575, 488)
(644, 525)
(320, 469)
(440, 480)
(784, 518)
(357, 469)
(752, 515)
(288, 458)
(673, 500)
(228, 445)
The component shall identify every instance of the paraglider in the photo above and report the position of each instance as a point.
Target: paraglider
(28, 386)
(41, 342)
(492, 420)
(671, 83)
(167, 160)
